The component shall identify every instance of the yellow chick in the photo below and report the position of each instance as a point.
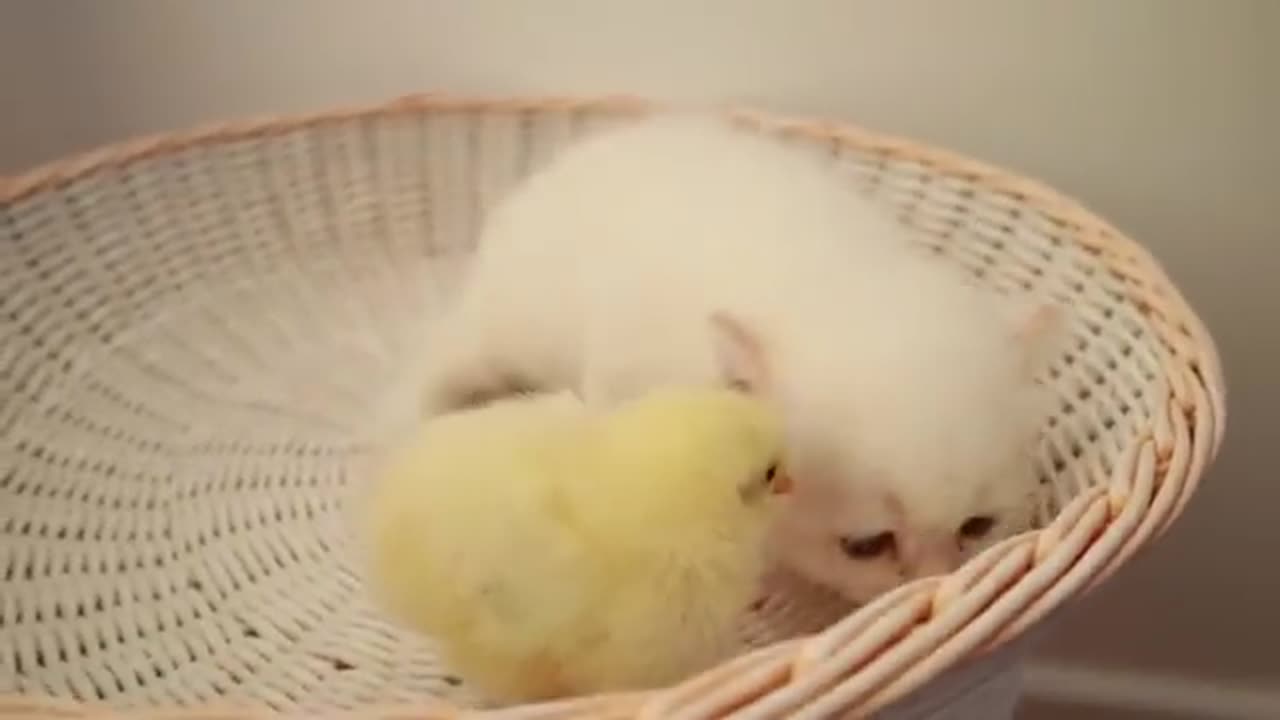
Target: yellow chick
(552, 552)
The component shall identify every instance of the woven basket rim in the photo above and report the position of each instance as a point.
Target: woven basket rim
(1095, 231)
(1147, 491)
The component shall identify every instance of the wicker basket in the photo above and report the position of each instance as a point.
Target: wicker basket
(196, 331)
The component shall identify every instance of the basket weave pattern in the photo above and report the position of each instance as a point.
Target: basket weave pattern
(197, 330)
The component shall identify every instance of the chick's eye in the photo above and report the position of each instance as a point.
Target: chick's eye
(977, 527)
(770, 474)
(869, 546)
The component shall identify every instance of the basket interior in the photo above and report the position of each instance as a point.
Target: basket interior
(199, 348)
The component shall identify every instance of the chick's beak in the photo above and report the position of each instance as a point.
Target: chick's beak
(782, 483)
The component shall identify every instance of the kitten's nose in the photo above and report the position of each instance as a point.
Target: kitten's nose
(937, 557)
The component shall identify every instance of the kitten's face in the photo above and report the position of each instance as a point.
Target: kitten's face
(905, 461)
(863, 541)
(867, 516)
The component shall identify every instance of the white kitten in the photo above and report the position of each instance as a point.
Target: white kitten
(680, 249)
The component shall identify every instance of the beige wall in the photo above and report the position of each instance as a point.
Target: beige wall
(1161, 114)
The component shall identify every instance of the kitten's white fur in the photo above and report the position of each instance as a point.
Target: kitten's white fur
(678, 248)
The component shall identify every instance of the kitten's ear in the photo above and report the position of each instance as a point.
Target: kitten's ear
(739, 354)
(1041, 331)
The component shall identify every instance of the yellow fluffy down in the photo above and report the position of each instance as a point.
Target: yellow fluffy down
(553, 552)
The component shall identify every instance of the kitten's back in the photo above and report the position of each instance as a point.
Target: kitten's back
(690, 184)
(751, 221)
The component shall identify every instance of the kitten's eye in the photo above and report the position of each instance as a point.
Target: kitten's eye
(871, 546)
(977, 527)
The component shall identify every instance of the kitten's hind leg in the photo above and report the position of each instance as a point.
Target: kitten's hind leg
(467, 369)
(464, 378)
(471, 388)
